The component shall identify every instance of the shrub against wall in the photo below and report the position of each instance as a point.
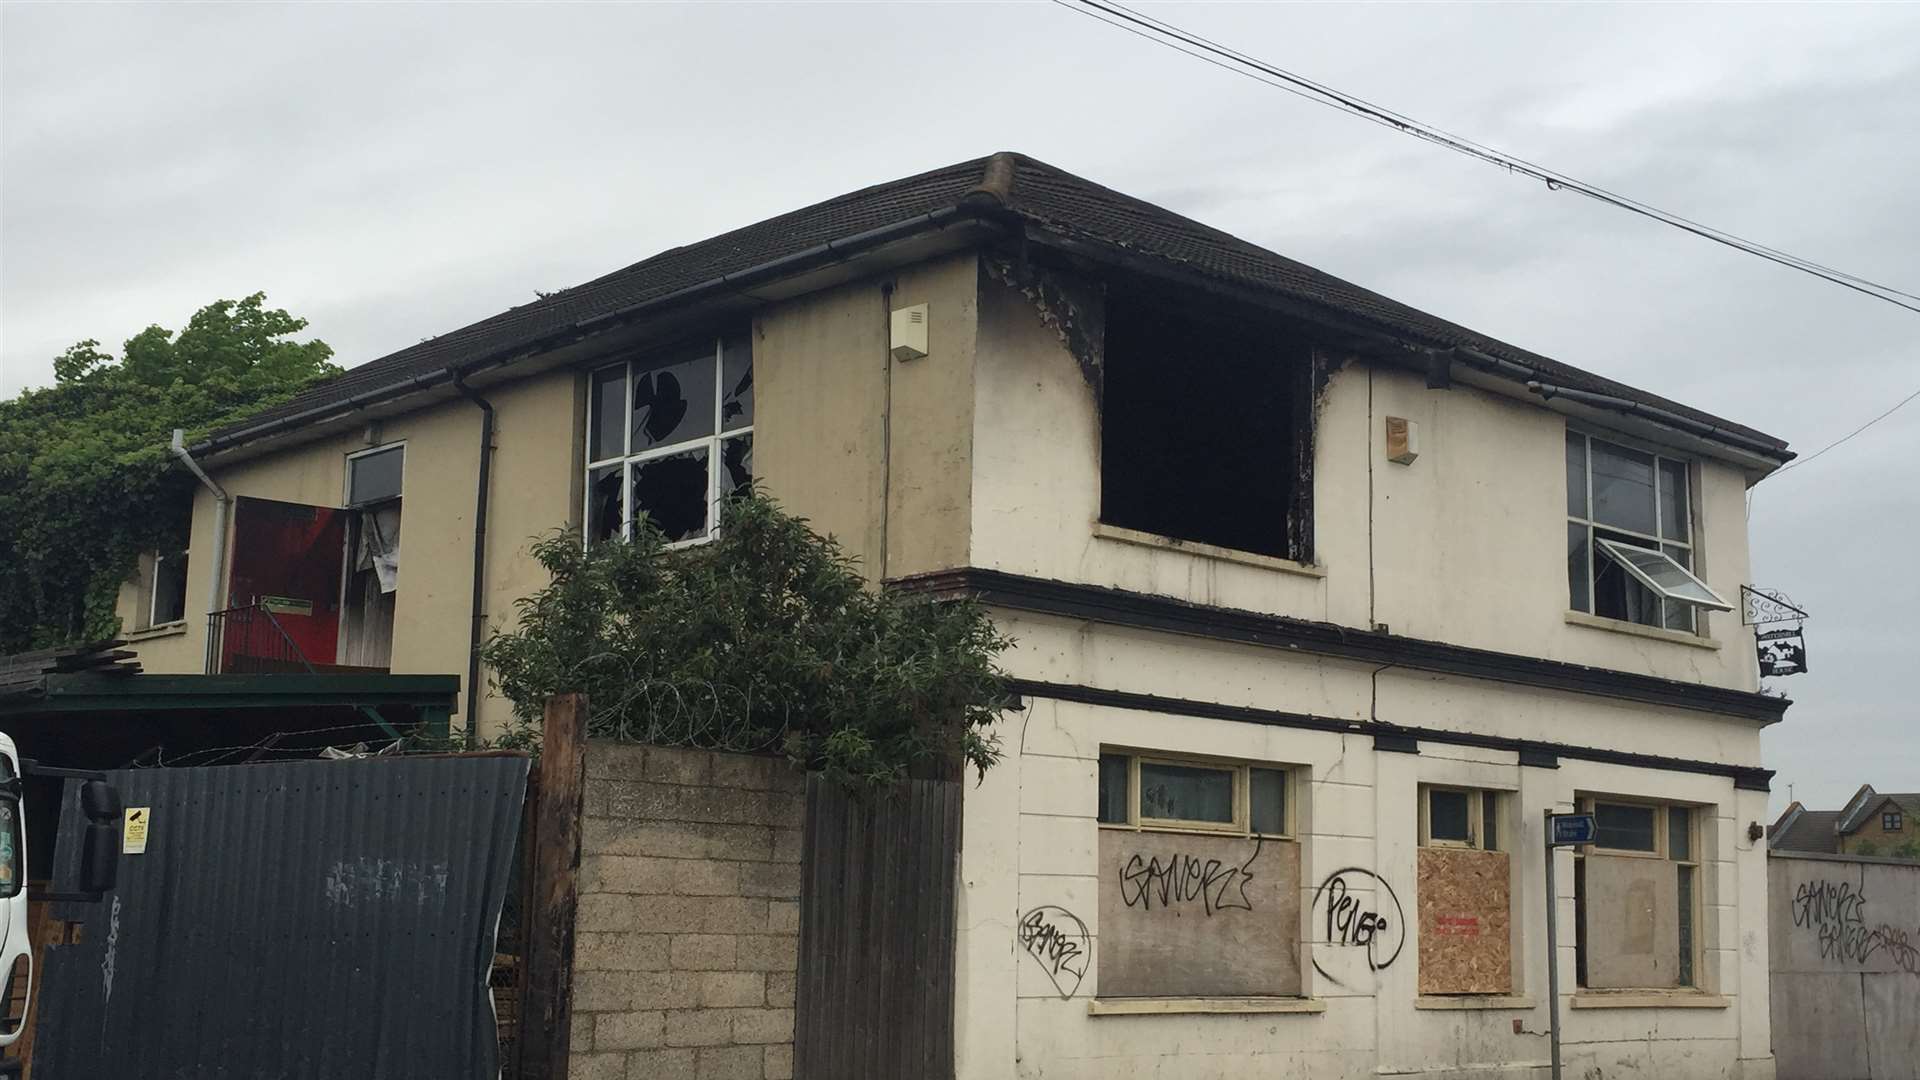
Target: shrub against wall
(86, 483)
(765, 637)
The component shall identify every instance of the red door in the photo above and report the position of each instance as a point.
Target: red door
(287, 559)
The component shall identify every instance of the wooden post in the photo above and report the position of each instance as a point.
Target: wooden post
(554, 867)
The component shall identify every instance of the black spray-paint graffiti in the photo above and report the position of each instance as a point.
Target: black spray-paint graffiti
(1836, 912)
(1214, 884)
(1059, 941)
(1381, 930)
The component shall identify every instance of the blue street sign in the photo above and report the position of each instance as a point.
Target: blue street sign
(1570, 829)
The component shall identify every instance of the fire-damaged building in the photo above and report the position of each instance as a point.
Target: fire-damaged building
(1321, 603)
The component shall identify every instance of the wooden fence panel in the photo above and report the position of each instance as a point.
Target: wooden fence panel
(876, 980)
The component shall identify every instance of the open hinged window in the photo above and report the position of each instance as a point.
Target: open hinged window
(1660, 573)
(1632, 543)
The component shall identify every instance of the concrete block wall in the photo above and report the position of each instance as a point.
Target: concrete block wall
(687, 935)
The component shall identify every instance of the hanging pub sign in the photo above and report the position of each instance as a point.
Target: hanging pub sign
(1778, 636)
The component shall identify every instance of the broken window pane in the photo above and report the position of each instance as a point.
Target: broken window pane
(1449, 815)
(673, 402)
(1623, 488)
(1113, 789)
(736, 465)
(1624, 826)
(606, 502)
(672, 492)
(1267, 800)
(1204, 429)
(1674, 507)
(1186, 793)
(1576, 475)
(736, 382)
(373, 477)
(607, 414)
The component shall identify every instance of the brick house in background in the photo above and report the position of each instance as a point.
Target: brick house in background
(1321, 603)
(1871, 823)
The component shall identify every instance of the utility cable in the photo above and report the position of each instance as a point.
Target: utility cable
(1170, 36)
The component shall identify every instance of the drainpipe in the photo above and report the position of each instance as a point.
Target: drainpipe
(221, 502)
(479, 558)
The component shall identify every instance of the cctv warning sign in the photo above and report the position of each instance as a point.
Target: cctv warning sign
(133, 840)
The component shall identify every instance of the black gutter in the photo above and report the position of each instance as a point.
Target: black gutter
(816, 257)
(1118, 607)
(1391, 738)
(478, 630)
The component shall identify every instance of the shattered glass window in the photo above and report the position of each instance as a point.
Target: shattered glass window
(669, 437)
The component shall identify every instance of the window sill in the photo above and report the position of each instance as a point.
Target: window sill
(1648, 999)
(163, 630)
(1472, 1001)
(1221, 1006)
(1104, 531)
(1656, 633)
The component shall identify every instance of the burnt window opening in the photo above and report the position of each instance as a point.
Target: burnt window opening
(1206, 428)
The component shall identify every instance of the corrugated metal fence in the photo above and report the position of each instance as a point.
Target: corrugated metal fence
(875, 988)
(292, 920)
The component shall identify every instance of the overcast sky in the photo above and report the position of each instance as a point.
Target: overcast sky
(392, 172)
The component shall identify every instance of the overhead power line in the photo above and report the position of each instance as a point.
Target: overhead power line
(1166, 34)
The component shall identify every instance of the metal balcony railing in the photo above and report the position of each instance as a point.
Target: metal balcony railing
(249, 640)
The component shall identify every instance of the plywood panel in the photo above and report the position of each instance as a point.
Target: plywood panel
(1465, 899)
(1633, 928)
(1198, 916)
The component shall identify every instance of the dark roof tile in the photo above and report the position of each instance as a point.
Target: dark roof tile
(1042, 195)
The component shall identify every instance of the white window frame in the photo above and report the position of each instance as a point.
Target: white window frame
(1663, 842)
(1478, 810)
(346, 474)
(153, 591)
(1898, 819)
(1691, 544)
(1241, 769)
(713, 443)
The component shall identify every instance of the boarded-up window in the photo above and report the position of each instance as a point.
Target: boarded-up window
(1465, 934)
(1199, 884)
(1191, 915)
(1636, 897)
(1465, 894)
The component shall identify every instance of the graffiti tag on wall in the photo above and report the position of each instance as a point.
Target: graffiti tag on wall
(1187, 880)
(1057, 939)
(1378, 926)
(1836, 912)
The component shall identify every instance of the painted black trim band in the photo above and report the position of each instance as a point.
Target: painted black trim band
(1388, 737)
(1143, 611)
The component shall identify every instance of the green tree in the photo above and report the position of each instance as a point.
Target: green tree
(767, 637)
(86, 482)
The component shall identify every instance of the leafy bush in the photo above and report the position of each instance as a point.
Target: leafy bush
(765, 637)
(86, 483)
